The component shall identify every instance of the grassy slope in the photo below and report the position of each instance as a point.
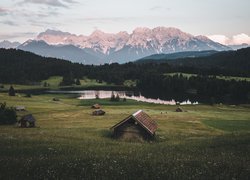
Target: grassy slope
(69, 143)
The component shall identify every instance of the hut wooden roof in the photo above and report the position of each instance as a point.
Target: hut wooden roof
(28, 118)
(143, 119)
(96, 106)
(20, 108)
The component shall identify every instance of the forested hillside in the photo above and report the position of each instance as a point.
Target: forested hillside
(235, 63)
(17, 66)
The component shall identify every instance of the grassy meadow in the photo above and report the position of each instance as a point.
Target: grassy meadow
(203, 142)
(53, 83)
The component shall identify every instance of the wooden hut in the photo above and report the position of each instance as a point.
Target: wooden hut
(178, 110)
(98, 112)
(56, 99)
(138, 126)
(27, 121)
(20, 108)
(96, 106)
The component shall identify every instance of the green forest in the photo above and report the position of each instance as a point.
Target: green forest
(152, 79)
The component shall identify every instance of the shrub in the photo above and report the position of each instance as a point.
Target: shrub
(7, 114)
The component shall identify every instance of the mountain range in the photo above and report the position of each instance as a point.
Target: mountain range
(7, 44)
(101, 47)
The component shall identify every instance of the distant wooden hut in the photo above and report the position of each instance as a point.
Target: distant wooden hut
(56, 99)
(27, 121)
(138, 126)
(20, 108)
(96, 106)
(98, 112)
(178, 110)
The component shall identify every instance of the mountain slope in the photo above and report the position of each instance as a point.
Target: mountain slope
(162, 57)
(66, 52)
(17, 66)
(231, 61)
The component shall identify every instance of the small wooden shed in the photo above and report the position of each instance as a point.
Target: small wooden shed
(27, 121)
(138, 126)
(178, 110)
(56, 99)
(20, 108)
(98, 112)
(96, 106)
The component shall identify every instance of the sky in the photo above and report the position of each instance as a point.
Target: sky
(225, 21)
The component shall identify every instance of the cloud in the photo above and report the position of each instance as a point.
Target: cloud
(220, 39)
(241, 38)
(17, 35)
(4, 11)
(234, 40)
(55, 3)
(109, 19)
(10, 23)
(158, 8)
(42, 23)
(70, 1)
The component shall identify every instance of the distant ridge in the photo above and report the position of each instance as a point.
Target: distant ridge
(162, 57)
(7, 44)
(66, 52)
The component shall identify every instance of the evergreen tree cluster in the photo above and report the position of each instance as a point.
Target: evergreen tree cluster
(196, 88)
(7, 115)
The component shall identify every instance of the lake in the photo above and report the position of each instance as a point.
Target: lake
(93, 94)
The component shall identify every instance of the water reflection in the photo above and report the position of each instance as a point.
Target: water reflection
(93, 94)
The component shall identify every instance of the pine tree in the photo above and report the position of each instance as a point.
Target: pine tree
(78, 81)
(112, 96)
(117, 98)
(67, 80)
(12, 91)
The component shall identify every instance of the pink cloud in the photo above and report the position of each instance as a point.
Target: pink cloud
(234, 40)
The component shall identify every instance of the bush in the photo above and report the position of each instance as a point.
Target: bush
(7, 114)
(28, 95)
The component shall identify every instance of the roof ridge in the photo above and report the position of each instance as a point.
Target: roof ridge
(137, 112)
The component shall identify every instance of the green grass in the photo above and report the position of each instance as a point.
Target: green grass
(228, 78)
(129, 83)
(70, 143)
(54, 84)
(178, 73)
(107, 102)
(229, 125)
(53, 81)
